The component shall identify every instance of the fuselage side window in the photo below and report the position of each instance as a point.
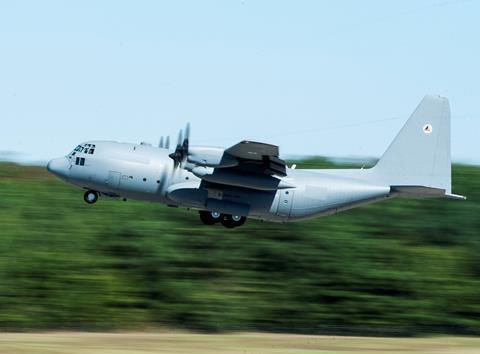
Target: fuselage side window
(82, 161)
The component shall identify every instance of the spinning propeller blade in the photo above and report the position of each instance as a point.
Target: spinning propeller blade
(181, 151)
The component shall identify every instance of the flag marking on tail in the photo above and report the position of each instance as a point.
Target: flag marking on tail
(427, 128)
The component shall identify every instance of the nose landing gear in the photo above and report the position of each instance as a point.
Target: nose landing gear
(229, 221)
(90, 197)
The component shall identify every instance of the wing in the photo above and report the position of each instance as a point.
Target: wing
(247, 164)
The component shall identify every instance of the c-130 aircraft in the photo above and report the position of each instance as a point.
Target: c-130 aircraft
(250, 180)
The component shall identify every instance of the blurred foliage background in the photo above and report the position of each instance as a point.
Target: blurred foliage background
(402, 267)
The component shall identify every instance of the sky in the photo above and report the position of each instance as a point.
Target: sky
(332, 78)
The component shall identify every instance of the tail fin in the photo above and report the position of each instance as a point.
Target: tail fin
(418, 159)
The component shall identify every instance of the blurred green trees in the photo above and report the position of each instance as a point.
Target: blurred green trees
(400, 267)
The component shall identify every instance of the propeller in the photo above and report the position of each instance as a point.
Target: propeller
(181, 151)
(186, 137)
(164, 143)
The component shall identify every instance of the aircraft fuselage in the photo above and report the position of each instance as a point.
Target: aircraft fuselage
(147, 173)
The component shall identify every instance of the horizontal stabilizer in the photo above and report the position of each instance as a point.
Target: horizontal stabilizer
(455, 196)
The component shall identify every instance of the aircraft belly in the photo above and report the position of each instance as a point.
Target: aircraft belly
(188, 195)
(228, 200)
(259, 203)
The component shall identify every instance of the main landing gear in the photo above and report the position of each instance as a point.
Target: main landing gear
(229, 221)
(210, 218)
(90, 197)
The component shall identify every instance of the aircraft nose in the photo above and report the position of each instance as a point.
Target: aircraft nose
(59, 166)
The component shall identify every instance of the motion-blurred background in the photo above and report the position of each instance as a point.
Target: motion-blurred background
(315, 77)
(402, 267)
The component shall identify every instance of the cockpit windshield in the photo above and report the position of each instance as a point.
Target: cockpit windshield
(88, 149)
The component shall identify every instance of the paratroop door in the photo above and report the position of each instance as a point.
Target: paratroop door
(285, 202)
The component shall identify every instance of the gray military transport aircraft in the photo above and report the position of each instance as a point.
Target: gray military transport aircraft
(250, 180)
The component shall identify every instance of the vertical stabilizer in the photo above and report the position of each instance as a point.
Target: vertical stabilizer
(420, 153)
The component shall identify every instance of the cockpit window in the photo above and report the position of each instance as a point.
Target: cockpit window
(80, 150)
(80, 161)
(84, 148)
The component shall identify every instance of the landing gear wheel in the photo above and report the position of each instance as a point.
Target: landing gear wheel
(90, 197)
(231, 221)
(210, 218)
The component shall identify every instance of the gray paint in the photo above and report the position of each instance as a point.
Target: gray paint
(417, 164)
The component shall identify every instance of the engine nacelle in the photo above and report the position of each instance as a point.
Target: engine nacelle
(210, 157)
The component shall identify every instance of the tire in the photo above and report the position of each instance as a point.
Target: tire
(230, 221)
(90, 197)
(239, 220)
(210, 218)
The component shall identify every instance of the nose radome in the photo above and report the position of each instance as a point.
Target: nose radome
(59, 166)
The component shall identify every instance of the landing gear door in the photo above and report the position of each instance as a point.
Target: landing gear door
(285, 202)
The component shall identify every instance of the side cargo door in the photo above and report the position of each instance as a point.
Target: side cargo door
(113, 180)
